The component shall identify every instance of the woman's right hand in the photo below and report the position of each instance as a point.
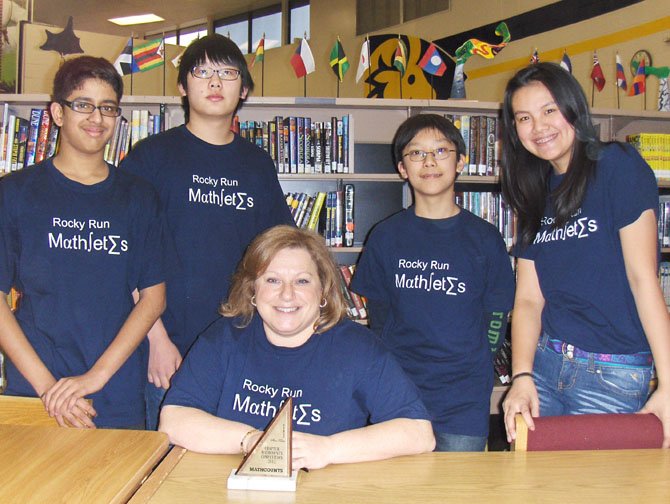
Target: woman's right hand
(521, 398)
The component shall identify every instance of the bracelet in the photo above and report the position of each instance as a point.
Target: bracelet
(519, 375)
(244, 438)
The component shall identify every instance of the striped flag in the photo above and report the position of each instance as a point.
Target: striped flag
(535, 58)
(400, 58)
(149, 55)
(566, 64)
(260, 51)
(302, 59)
(620, 75)
(597, 75)
(638, 85)
(432, 62)
(338, 60)
(124, 63)
(364, 60)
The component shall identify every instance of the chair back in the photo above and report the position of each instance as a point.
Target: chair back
(589, 432)
(24, 411)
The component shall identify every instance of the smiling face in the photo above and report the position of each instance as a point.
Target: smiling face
(212, 97)
(431, 177)
(86, 133)
(287, 296)
(541, 127)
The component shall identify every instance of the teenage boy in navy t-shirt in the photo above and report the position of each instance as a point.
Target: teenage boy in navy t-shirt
(77, 238)
(435, 276)
(217, 191)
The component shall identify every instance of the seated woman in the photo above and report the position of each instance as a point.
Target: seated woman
(284, 334)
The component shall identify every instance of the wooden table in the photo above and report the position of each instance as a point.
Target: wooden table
(58, 465)
(610, 477)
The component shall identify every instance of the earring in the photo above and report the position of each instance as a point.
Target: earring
(324, 303)
(253, 301)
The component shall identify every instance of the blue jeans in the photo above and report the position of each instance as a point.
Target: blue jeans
(153, 399)
(571, 386)
(445, 442)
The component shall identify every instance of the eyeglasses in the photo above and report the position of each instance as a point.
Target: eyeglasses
(88, 108)
(228, 74)
(438, 154)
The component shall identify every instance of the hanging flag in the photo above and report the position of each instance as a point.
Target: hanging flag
(364, 60)
(124, 63)
(597, 75)
(432, 62)
(566, 64)
(620, 75)
(149, 55)
(338, 60)
(302, 59)
(535, 58)
(663, 95)
(475, 46)
(638, 85)
(400, 58)
(260, 51)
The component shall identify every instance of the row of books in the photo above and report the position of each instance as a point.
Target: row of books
(356, 304)
(664, 277)
(502, 363)
(26, 141)
(655, 150)
(331, 214)
(126, 134)
(481, 135)
(664, 220)
(301, 145)
(491, 207)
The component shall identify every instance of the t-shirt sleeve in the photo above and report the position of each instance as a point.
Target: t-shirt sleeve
(150, 233)
(7, 243)
(499, 295)
(276, 209)
(386, 392)
(195, 384)
(135, 162)
(632, 184)
(368, 279)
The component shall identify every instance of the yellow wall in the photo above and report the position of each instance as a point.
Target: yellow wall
(645, 25)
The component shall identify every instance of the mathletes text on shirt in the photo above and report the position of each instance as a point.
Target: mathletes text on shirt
(431, 277)
(87, 235)
(248, 402)
(219, 191)
(579, 227)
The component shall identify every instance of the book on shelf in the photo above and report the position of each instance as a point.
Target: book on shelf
(655, 150)
(301, 145)
(664, 220)
(349, 215)
(502, 363)
(481, 137)
(664, 279)
(359, 305)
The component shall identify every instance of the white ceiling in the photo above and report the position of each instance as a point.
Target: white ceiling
(92, 15)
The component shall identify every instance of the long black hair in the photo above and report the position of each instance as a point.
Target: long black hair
(524, 176)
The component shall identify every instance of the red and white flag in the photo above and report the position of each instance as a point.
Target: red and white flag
(364, 60)
(302, 59)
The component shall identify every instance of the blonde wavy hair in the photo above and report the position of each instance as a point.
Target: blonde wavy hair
(256, 260)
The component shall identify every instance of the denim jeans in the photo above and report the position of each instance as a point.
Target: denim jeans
(571, 386)
(153, 399)
(445, 442)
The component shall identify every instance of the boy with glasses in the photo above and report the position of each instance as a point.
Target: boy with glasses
(76, 239)
(436, 276)
(217, 190)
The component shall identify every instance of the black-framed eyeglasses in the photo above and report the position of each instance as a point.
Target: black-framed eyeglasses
(228, 74)
(438, 154)
(84, 107)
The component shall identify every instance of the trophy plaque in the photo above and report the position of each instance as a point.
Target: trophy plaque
(267, 466)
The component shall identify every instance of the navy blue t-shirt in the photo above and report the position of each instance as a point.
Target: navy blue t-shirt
(580, 267)
(439, 279)
(215, 199)
(77, 252)
(339, 380)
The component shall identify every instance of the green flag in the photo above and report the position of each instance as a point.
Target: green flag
(338, 60)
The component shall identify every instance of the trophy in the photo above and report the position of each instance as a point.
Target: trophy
(268, 466)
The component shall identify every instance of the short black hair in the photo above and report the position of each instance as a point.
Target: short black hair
(415, 124)
(219, 50)
(72, 74)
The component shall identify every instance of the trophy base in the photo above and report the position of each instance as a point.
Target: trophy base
(271, 483)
